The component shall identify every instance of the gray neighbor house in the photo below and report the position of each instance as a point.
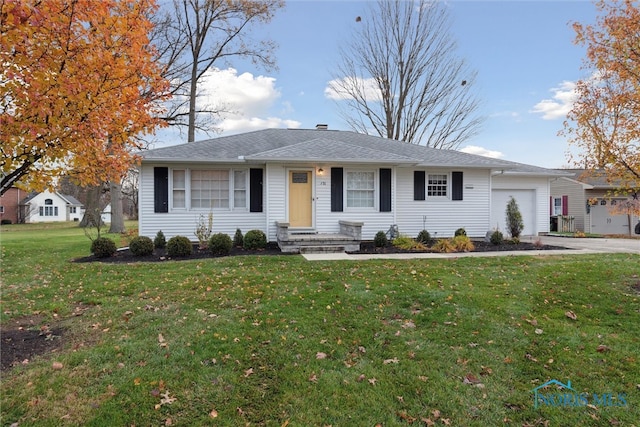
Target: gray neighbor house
(318, 180)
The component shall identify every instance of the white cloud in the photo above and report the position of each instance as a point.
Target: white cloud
(559, 105)
(481, 151)
(246, 99)
(335, 88)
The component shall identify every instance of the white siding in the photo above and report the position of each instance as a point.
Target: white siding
(540, 188)
(442, 216)
(183, 222)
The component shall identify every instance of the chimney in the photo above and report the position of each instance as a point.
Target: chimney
(321, 126)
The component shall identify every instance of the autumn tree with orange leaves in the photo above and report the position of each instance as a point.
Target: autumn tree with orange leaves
(78, 85)
(604, 122)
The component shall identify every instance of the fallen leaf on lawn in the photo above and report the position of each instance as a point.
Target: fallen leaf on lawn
(361, 378)
(321, 355)
(213, 413)
(427, 422)
(57, 366)
(240, 411)
(168, 422)
(470, 379)
(166, 400)
(571, 315)
(539, 331)
(602, 348)
(248, 372)
(409, 324)
(161, 341)
(313, 378)
(436, 413)
(394, 360)
(530, 357)
(372, 381)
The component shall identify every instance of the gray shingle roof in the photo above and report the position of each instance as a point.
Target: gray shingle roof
(298, 145)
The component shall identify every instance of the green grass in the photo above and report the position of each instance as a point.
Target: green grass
(277, 340)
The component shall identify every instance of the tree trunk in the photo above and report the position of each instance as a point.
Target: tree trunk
(92, 217)
(117, 216)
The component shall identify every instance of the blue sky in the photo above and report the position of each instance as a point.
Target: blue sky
(523, 52)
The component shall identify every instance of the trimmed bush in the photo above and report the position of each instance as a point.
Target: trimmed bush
(380, 240)
(141, 246)
(496, 237)
(424, 237)
(238, 239)
(255, 239)
(460, 232)
(220, 244)
(160, 242)
(515, 225)
(103, 247)
(178, 246)
(463, 243)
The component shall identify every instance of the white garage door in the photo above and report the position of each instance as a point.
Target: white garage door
(603, 222)
(526, 205)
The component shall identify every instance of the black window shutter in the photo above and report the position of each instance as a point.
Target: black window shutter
(385, 190)
(161, 190)
(336, 189)
(418, 185)
(255, 190)
(456, 185)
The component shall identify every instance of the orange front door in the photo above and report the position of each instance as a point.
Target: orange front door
(300, 199)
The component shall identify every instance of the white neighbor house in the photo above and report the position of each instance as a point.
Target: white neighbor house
(314, 178)
(50, 207)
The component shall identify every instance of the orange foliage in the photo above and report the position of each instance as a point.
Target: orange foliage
(605, 120)
(78, 85)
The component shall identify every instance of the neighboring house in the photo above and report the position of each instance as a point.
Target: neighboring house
(10, 205)
(314, 178)
(49, 207)
(106, 214)
(589, 201)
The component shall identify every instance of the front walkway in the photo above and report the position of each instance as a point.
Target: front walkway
(577, 246)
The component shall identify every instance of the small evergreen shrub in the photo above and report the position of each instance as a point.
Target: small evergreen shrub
(496, 238)
(463, 243)
(179, 246)
(515, 225)
(204, 228)
(141, 246)
(220, 244)
(424, 237)
(380, 239)
(160, 242)
(407, 243)
(255, 239)
(444, 246)
(238, 239)
(103, 247)
(460, 232)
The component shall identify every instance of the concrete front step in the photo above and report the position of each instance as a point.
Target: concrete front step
(321, 249)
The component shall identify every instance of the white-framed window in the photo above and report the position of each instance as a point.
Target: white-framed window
(48, 209)
(179, 189)
(361, 188)
(240, 188)
(1, 209)
(72, 209)
(198, 189)
(437, 185)
(557, 205)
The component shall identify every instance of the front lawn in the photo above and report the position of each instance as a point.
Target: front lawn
(277, 340)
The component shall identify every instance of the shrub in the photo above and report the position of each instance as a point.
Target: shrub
(463, 243)
(204, 227)
(238, 238)
(103, 247)
(255, 239)
(460, 232)
(407, 243)
(160, 242)
(514, 219)
(444, 246)
(220, 244)
(538, 243)
(496, 237)
(424, 237)
(141, 246)
(178, 246)
(380, 239)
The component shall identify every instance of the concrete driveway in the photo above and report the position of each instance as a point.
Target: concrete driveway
(575, 246)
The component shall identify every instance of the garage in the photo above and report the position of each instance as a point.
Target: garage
(526, 205)
(604, 222)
